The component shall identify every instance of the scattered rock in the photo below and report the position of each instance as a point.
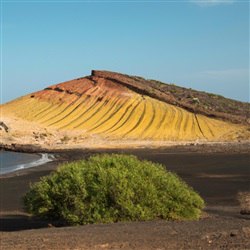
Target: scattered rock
(2, 124)
(244, 199)
(232, 234)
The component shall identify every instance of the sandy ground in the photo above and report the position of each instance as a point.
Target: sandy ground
(210, 233)
(221, 226)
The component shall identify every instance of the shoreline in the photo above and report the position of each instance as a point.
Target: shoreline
(231, 147)
(44, 158)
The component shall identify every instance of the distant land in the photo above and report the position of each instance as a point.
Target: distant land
(113, 109)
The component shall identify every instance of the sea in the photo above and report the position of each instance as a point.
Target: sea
(12, 161)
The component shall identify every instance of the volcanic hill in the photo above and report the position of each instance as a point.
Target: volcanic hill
(108, 106)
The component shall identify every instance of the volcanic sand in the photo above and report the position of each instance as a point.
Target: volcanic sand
(223, 226)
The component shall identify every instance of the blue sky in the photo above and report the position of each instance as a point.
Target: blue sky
(202, 45)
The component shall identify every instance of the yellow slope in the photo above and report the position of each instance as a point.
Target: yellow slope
(130, 116)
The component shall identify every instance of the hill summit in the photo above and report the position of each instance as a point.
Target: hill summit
(109, 106)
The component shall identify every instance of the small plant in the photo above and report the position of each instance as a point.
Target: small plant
(196, 101)
(231, 105)
(198, 104)
(174, 91)
(43, 135)
(65, 138)
(156, 81)
(224, 104)
(216, 96)
(204, 106)
(112, 188)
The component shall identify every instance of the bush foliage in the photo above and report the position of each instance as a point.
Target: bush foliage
(112, 188)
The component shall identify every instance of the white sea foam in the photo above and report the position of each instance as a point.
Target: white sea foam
(44, 159)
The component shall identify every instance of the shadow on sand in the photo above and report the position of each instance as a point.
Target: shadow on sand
(14, 222)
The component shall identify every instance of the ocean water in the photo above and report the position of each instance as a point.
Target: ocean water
(11, 161)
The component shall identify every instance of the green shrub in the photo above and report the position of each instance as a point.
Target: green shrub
(112, 188)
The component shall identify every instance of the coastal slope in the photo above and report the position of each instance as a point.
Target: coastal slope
(117, 107)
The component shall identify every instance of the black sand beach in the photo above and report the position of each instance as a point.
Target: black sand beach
(217, 176)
